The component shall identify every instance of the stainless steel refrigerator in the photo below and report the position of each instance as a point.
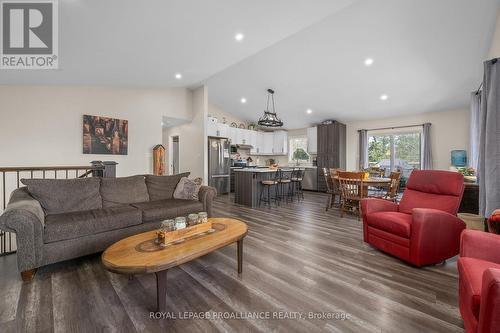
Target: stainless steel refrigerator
(219, 164)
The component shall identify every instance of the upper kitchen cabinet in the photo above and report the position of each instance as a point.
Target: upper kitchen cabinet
(217, 129)
(280, 143)
(312, 140)
(267, 147)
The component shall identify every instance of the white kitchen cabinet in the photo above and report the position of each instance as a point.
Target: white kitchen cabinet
(216, 129)
(312, 140)
(267, 143)
(280, 143)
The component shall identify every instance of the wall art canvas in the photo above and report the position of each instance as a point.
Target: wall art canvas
(102, 135)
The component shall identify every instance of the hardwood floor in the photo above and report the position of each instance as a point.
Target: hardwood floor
(297, 258)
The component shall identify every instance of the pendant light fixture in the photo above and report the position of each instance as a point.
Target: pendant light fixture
(270, 119)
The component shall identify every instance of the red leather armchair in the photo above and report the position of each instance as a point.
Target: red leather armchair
(479, 281)
(423, 229)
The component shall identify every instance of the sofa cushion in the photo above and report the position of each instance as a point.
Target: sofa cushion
(58, 196)
(167, 209)
(60, 227)
(392, 222)
(163, 187)
(123, 190)
(471, 276)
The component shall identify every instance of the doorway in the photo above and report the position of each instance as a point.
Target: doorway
(175, 155)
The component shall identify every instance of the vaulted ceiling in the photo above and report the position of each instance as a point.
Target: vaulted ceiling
(427, 54)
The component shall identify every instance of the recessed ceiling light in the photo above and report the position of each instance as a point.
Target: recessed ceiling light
(239, 37)
(178, 76)
(368, 61)
(384, 97)
(309, 111)
(243, 100)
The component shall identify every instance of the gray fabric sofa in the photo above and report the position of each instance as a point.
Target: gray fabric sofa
(56, 220)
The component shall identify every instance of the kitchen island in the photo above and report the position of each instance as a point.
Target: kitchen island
(247, 184)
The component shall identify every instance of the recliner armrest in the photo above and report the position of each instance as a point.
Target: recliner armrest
(206, 196)
(489, 321)
(480, 245)
(373, 205)
(434, 234)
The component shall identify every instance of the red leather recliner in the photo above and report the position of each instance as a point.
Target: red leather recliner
(423, 229)
(479, 281)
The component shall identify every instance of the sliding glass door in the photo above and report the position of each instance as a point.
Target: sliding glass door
(395, 151)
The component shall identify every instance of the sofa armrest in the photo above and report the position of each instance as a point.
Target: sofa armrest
(206, 196)
(489, 321)
(435, 235)
(25, 217)
(480, 245)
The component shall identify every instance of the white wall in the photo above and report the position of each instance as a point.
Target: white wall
(495, 44)
(215, 111)
(449, 131)
(42, 125)
(192, 138)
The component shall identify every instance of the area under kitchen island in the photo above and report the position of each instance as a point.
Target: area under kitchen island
(247, 184)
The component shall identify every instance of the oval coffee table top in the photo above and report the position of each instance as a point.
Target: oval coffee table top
(139, 254)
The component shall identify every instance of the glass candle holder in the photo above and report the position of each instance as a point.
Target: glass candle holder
(202, 217)
(180, 222)
(192, 219)
(167, 225)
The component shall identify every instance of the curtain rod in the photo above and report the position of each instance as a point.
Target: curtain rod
(395, 127)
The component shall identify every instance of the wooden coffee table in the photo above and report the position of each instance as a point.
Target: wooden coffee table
(139, 254)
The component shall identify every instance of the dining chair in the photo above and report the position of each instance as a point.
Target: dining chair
(329, 187)
(393, 189)
(376, 171)
(351, 187)
(335, 185)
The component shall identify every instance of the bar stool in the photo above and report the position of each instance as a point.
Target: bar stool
(297, 179)
(266, 186)
(282, 181)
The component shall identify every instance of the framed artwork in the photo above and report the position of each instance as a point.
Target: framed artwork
(102, 135)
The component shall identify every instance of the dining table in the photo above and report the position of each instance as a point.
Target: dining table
(377, 182)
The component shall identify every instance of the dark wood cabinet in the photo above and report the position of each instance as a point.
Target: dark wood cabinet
(331, 149)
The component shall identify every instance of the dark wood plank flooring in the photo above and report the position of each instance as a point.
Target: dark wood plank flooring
(297, 258)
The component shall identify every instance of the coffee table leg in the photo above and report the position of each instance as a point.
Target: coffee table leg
(240, 256)
(161, 291)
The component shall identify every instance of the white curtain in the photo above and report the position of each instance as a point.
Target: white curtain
(489, 140)
(363, 149)
(475, 120)
(426, 147)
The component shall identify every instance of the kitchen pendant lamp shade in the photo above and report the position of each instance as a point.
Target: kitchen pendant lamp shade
(270, 119)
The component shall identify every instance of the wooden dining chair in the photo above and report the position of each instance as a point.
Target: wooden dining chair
(335, 185)
(329, 187)
(351, 187)
(376, 171)
(393, 189)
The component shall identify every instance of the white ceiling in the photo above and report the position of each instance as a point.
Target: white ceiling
(145, 43)
(427, 57)
(428, 53)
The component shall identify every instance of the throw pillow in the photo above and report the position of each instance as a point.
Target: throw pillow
(123, 191)
(65, 195)
(188, 189)
(163, 187)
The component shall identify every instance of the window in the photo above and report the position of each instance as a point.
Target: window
(298, 150)
(395, 151)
